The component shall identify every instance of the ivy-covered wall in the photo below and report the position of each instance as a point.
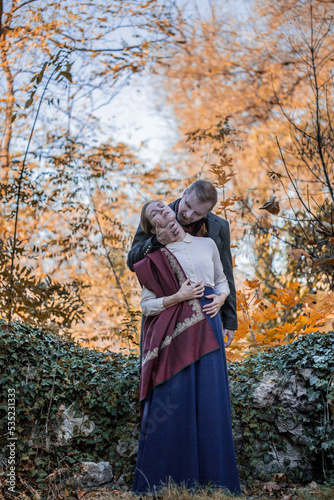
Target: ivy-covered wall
(48, 376)
(283, 410)
(56, 381)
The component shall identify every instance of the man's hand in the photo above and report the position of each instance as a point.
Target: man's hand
(167, 234)
(213, 308)
(230, 337)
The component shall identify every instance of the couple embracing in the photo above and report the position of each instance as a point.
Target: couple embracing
(181, 256)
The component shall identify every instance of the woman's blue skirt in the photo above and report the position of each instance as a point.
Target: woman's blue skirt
(186, 431)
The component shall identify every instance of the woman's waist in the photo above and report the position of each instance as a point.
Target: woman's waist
(208, 290)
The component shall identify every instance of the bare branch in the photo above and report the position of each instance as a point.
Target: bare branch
(318, 114)
(23, 4)
(295, 187)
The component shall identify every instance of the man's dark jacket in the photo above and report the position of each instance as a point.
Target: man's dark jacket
(218, 230)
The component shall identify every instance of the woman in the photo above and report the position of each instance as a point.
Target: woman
(186, 432)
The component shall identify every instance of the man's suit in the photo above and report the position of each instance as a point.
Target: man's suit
(218, 230)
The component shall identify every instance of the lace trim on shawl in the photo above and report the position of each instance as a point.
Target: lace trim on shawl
(196, 317)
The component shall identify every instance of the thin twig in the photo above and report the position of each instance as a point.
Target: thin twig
(20, 180)
(318, 117)
(295, 187)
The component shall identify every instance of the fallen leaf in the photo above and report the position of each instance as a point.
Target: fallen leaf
(80, 494)
(280, 476)
(287, 497)
(271, 206)
(271, 486)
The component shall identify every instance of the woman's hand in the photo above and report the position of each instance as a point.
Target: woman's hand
(186, 292)
(217, 301)
(189, 292)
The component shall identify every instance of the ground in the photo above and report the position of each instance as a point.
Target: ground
(265, 491)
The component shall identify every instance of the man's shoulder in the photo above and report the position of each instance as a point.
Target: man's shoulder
(218, 228)
(213, 218)
(174, 204)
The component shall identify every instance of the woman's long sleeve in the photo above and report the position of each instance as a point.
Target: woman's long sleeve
(151, 305)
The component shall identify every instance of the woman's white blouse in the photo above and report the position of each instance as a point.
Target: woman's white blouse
(200, 260)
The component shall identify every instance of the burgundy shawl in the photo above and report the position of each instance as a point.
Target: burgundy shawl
(180, 334)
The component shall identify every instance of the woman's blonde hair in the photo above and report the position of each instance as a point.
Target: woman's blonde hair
(144, 222)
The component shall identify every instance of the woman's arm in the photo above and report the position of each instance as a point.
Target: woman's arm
(153, 305)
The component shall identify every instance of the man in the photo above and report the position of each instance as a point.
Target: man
(193, 211)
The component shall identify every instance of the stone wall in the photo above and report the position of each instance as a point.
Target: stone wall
(81, 407)
(283, 404)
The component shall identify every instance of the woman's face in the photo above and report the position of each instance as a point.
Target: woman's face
(159, 212)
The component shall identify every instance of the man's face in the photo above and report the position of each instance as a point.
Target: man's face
(191, 209)
(159, 212)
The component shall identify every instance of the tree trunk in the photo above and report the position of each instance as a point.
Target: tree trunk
(9, 105)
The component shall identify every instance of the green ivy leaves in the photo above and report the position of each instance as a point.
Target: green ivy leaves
(311, 357)
(47, 371)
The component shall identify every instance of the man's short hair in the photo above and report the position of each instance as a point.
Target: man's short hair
(205, 191)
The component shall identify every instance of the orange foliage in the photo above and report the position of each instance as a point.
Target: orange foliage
(288, 296)
(265, 313)
(256, 317)
(253, 283)
(80, 197)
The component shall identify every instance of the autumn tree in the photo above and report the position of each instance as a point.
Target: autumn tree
(253, 101)
(59, 175)
(252, 93)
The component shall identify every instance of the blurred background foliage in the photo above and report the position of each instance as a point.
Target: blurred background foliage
(250, 105)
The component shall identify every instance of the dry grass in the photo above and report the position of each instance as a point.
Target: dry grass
(315, 494)
(173, 492)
